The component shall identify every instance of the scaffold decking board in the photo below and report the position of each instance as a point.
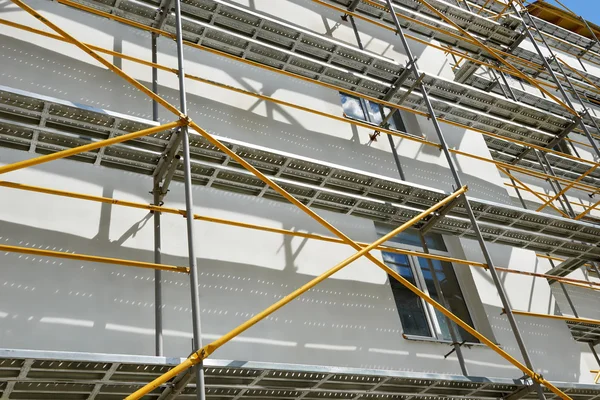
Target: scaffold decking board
(36, 375)
(505, 36)
(252, 36)
(557, 36)
(44, 125)
(497, 35)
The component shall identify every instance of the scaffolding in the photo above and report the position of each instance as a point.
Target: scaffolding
(523, 131)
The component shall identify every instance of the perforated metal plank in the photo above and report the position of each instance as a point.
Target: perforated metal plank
(316, 183)
(328, 60)
(482, 82)
(501, 36)
(566, 170)
(569, 42)
(583, 332)
(69, 375)
(557, 36)
(409, 12)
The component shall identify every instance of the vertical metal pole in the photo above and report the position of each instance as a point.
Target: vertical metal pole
(381, 111)
(467, 205)
(497, 81)
(566, 293)
(503, 76)
(552, 73)
(158, 320)
(451, 325)
(189, 207)
(518, 193)
(543, 160)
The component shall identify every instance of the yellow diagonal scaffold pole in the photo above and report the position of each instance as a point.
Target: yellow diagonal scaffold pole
(536, 377)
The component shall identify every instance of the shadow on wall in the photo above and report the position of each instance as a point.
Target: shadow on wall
(550, 346)
(217, 117)
(68, 305)
(585, 301)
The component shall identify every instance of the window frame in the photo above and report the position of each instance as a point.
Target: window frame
(430, 312)
(365, 109)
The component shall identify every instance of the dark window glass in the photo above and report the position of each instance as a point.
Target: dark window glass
(451, 289)
(410, 307)
(417, 317)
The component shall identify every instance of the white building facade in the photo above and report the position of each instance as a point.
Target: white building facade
(361, 321)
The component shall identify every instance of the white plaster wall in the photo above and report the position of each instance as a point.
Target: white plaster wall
(350, 320)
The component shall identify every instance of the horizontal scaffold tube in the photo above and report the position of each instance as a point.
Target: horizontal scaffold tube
(417, 139)
(361, 250)
(305, 235)
(85, 257)
(307, 79)
(516, 59)
(207, 350)
(559, 317)
(88, 147)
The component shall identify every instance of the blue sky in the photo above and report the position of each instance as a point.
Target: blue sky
(589, 9)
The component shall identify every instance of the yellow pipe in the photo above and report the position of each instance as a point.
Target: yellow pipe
(566, 188)
(501, 13)
(497, 56)
(527, 188)
(563, 259)
(597, 377)
(337, 88)
(484, 6)
(211, 347)
(587, 210)
(248, 166)
(356, 123)
(96, 259)
(559, 317)
(380, 264)
(101, 60)
(88, 147)
(525, 171)
(544, 196)
(305, 235)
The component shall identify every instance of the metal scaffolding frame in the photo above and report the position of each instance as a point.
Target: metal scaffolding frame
(388, 83)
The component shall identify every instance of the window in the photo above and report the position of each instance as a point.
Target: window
(368, 111)
(417, 317)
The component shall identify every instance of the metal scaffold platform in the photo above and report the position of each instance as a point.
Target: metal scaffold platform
(559, 37)
(64, 375)
(521, 128)
(248, 35)
(46, 125)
